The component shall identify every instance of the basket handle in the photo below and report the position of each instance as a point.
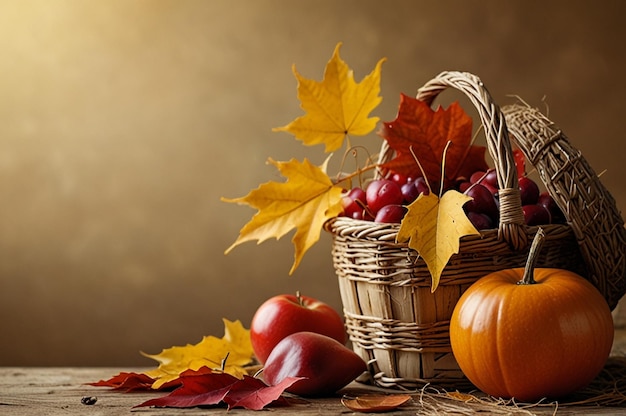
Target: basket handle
(511, 227)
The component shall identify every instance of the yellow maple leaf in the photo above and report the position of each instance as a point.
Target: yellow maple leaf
(337, 106)
(433, 228)
(232, 353)
(305, 201)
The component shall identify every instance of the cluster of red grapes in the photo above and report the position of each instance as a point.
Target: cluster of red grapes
(386, 200)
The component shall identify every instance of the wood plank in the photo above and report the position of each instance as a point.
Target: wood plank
(58, 391)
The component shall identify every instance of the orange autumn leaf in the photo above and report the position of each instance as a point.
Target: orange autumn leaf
(433, 227)
(337, 106)
(305, 202)
(419, 131)
(375, 403)
(462, 397)
(231, 353)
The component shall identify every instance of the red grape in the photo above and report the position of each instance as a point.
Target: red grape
(520, 162)
(491, 178)
(483, 201)
(353, 202)
(535, 215)
(464, 186)
(409, 192)
(391, 214)
(529, 190)
(490, 188)
(399, 178)
(362, 215)
(422, 185)
(556, 215)
(480, 221)
(477, 176)
(487, 179)
(382, 192)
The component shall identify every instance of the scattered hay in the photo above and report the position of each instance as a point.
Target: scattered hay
(607, 389)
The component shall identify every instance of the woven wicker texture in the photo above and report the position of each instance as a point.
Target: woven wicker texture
(588, 206)
(394, 321)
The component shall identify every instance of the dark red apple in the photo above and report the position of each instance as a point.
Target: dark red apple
(283, 315)
(325, 364)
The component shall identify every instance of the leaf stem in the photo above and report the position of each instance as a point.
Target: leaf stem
(443, 167)
(223, 364)
(533, 257)
(419, 165)
(358, 172)
(354, 152)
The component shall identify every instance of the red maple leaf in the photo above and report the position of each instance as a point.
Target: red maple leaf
(129, 381)
(201, 388)
(126, 381)
(206, 387)
(419, 131)
(253, 394)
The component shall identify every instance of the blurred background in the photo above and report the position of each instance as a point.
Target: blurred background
(123, 122)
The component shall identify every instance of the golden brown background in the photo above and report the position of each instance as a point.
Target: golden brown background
(122, 122)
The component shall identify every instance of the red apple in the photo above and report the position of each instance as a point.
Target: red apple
(284, 315)
(325, 364)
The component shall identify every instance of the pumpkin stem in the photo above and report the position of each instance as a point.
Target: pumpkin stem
(533, 257)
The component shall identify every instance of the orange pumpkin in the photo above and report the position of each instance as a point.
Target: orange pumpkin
(531, 333)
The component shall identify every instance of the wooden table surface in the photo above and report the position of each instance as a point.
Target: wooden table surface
(35, 391)
(30, 391)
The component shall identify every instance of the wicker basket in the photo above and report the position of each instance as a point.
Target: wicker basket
(394, 321)
(588, 206)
